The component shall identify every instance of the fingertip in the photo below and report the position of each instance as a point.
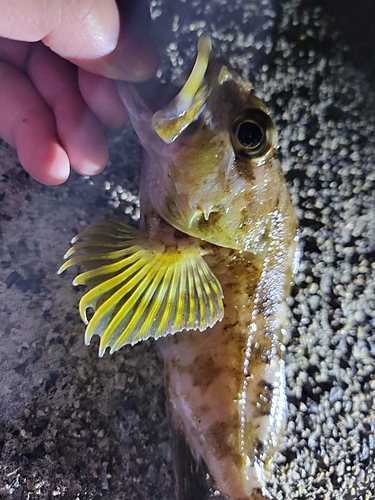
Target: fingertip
(51, 168)
(84, 30)
(57, 168)
(136, 54)
(92, 162)
(81, 135)
(143, 62)
(90, 168)
(135, 57)
(39, 150)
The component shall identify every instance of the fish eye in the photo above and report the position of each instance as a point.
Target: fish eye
(253, 134)
(249, 134)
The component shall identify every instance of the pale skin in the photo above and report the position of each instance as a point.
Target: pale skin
(57, 64)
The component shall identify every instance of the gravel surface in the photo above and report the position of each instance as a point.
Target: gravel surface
(76, 427)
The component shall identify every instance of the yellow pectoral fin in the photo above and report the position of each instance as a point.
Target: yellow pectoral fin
(141, 288)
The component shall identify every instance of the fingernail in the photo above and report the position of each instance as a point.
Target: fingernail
(89, 168)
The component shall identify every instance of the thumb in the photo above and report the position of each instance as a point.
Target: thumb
(102, 37)
(133, 55)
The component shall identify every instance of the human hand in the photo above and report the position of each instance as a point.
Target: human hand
(56, 64)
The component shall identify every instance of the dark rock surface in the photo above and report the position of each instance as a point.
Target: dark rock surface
(73, 426)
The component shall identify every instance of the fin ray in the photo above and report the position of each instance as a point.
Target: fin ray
(140, 288)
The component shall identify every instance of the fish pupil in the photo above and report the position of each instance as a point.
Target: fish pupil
(249, 134)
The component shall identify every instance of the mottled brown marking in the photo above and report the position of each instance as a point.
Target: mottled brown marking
(264, 409)
(218, 435)
(202, 410)
(244, 168)
(258, 447)
(229, 326)
(206, 370)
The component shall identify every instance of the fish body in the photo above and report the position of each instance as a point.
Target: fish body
(209, 272)
(226, 387)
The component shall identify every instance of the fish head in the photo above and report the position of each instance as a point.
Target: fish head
(212, 170)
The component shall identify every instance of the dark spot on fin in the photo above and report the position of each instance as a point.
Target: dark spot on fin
(192, 476)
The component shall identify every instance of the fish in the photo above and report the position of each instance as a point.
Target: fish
(207, 275)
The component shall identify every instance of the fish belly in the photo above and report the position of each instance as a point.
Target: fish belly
(226, 386)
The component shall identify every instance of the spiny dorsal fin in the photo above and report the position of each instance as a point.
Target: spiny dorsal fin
(141, 288)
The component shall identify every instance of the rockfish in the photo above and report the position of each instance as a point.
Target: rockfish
(209, 271)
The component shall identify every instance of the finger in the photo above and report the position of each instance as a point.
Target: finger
(14, 52)
(28, 124)
(88, 33)
(135, 57)
(38, 148)
(78, 129)
(73, 28)
(101, 95)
